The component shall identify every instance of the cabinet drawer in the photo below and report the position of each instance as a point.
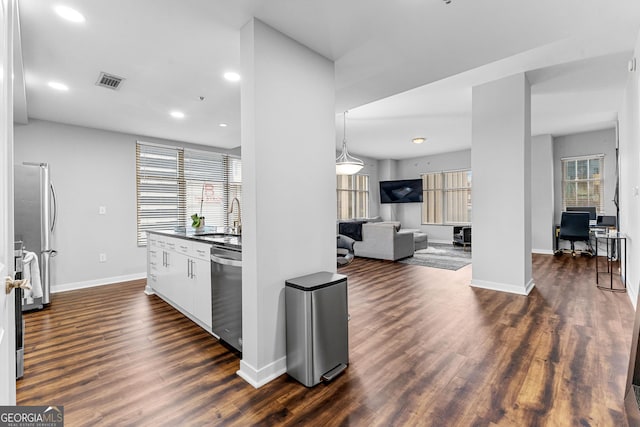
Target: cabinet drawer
(183, 246)
(201, 251)
(193, 249)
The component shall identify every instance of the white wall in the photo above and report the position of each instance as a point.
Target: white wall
(89, 168)
(289, 185)
(410, 214)
(584, 144)
(501, 163)
(629, 136)
(542, 195)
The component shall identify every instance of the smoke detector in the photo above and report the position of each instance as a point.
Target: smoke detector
(110, 81)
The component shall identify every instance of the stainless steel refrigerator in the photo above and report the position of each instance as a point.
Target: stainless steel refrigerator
(35, 220)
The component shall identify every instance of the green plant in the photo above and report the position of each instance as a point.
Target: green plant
(196, 220)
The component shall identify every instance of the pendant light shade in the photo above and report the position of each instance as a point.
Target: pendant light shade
(345, 163)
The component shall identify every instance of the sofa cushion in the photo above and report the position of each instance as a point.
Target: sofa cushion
(396, 224)
(351, 228)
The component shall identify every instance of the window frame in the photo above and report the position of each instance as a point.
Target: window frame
(225, 177)
(441, 194)
(589, 181)
(353, 195)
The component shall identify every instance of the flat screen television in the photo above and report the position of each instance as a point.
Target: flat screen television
(401, 191)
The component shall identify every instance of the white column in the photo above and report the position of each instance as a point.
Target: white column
(288, 185)
(501, 164)
(388, 171)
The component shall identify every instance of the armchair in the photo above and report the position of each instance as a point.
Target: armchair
(344, 250)
(462, 236)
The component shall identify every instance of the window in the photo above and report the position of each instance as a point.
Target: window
(583, 182)
(446, 197)
(353, 196)
(174, 183)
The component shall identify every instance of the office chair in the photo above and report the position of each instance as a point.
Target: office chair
(574, 227)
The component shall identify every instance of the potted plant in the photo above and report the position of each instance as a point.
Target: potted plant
(197, 222)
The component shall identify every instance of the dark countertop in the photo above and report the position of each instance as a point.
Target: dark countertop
(211, 235)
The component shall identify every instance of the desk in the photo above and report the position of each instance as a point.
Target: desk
(592, 230)
(613, 239)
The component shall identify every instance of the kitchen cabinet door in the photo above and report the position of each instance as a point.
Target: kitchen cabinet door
(201, 278)
(158, 264)
(179, 271)
(174, 277)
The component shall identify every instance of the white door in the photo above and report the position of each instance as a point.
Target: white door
(7, 320)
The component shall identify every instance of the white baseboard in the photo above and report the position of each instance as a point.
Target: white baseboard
(632, 293)
(504, 287)
(97, 282)
(259, 377)
(542, 251)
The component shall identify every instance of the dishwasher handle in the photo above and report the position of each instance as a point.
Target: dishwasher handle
(226, 261)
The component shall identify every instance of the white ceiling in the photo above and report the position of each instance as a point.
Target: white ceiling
(404, 68)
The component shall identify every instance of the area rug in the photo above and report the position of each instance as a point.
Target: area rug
(445, 256)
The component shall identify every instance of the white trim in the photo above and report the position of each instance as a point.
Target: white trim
(586, 157)
(542, 251)
(633, 295)
(97, 282)
(259, 377)
(504, 287)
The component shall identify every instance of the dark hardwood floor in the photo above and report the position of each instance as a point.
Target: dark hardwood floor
(426, 349)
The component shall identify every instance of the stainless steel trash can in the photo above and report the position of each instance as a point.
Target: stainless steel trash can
(317, 328)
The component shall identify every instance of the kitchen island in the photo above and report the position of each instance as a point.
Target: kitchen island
(179, 269)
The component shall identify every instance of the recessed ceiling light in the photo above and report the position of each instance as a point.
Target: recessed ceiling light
(177, 114)
(223, 125)
(58, 86)
(419, 140)
(231, 76)
(69, 14)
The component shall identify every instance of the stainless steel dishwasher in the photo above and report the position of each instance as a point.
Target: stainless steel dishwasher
(226, 295)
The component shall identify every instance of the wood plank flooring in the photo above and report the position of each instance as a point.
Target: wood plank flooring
(426, 349)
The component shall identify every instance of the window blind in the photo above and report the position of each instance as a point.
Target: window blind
(204, 176)
(160, 198)
(583, 182)
(353, 196)
(446, 197)
(174, 183)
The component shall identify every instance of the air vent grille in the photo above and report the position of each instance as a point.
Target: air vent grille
(109, 81)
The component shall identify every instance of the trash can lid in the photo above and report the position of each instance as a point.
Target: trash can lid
(315, 281)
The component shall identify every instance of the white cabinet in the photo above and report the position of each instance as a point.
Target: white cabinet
(179, 271)
(201, 277)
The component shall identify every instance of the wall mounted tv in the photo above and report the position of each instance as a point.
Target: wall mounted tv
(401, 191)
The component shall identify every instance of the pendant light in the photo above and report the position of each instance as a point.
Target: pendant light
(345, 163)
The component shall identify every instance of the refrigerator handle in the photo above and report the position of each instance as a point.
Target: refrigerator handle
(55, 207)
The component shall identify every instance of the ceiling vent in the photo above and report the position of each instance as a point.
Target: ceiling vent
(109, 81)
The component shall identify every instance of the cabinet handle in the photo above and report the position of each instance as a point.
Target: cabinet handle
(189, 267)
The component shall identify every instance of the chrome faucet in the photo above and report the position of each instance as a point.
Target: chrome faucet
(237, 225)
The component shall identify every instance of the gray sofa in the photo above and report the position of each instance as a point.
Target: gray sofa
(382, 240)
